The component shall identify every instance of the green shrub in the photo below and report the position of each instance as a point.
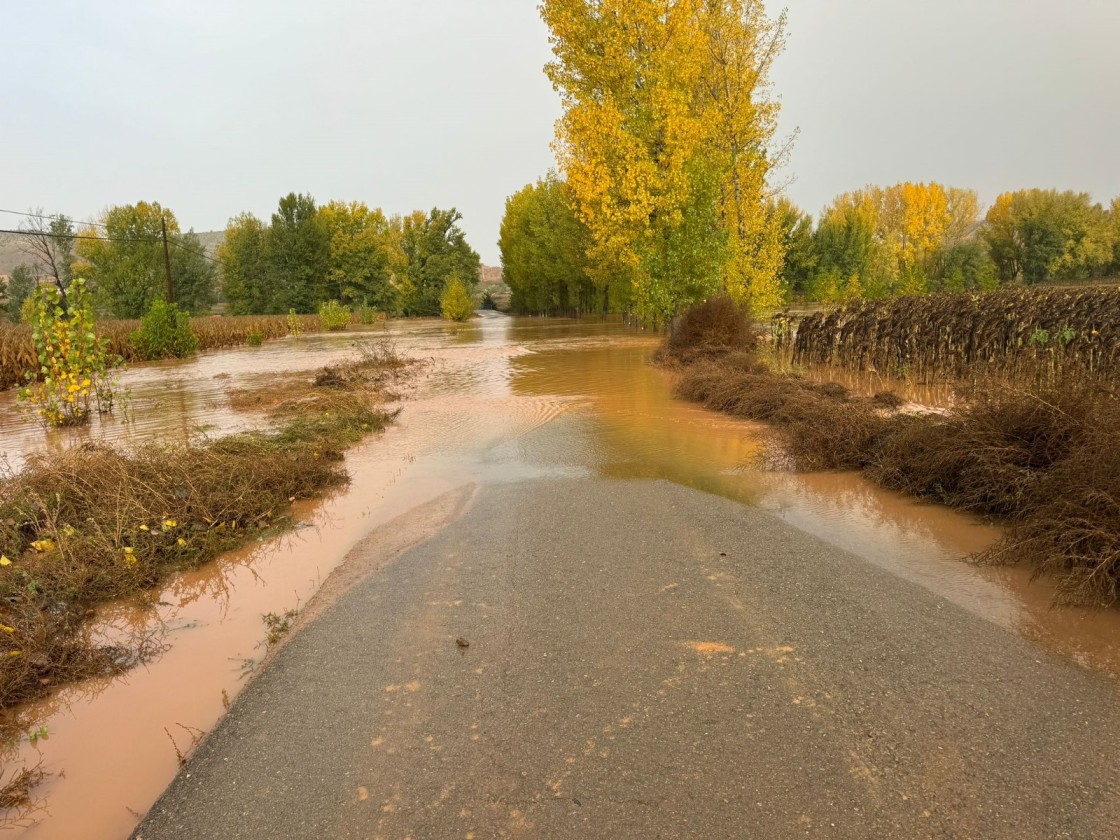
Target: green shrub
(254, 339)
(367, 314)
(455, 304)
(165, 333)
(334, 316)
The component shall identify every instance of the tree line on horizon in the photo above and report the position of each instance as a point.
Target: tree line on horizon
(907, 239)
(664, 194)
(304, 256)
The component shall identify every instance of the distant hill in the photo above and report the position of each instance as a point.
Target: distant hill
(11, 252)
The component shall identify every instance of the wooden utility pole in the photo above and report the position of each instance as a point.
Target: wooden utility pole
(167, 262)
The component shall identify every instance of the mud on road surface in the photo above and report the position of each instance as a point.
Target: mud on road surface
(646, 660)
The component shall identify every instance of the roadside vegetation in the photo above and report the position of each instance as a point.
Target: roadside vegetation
(95, 523)
(1042, 457)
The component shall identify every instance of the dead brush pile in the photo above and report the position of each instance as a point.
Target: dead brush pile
(95, 523)
(1027, 335)
(1044, 459)
(709, 330)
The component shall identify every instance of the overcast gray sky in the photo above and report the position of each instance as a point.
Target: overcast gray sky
(212, 107)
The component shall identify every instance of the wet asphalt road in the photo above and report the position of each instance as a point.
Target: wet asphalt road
(649, 661)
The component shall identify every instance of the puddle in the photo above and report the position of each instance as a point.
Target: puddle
(502, 400)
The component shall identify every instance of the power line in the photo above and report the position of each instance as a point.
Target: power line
(202, 254)
(74, 236)
(52, 218)
(150, 241)
(174, 242)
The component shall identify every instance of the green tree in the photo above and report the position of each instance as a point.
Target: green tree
(1038, 236)
(361, 244)
(299, 255)
(435, 249)
(193, 273)
(21, 283)
(544, 254)
(124, 262)
(800, 256)
(248, 283)
(165, 333)
(847, 249)
(964, 267)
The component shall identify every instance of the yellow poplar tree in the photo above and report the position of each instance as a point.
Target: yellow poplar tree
(663, 144)
(741, 44)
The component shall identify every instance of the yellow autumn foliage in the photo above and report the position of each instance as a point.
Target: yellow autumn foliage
(665, 145)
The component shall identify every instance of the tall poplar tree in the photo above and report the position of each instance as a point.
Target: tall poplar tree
(665, 145)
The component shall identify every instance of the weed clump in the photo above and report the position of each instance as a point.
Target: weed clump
(710, 329)
(17, 805)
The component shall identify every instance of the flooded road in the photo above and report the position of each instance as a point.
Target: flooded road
(500, 401)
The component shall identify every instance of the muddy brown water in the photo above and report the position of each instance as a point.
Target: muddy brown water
(501, 399)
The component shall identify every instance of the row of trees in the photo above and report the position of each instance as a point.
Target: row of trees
(121, 258)
(347, 252)
(876, 242)
(665, 147)
(305, 256)
(919, 238)
(665, 195)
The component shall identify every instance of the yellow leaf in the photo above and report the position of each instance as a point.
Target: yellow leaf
(169, 523)
(43, 545)
(144, 528)
(15, 653)
(6, 629)
(4, 561)
(181, 541)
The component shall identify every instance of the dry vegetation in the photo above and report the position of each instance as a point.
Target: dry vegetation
(17, 353)
(1044, 458)
(1026, 335)
(95, 523)
(18, 808)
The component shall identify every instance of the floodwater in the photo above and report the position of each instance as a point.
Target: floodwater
(499, 400)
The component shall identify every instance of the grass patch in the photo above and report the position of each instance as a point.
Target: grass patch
(1044, 459)
(95, 523)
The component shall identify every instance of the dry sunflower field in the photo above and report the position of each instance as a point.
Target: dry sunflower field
(1016, 334)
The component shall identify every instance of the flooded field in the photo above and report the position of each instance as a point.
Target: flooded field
(500, 400)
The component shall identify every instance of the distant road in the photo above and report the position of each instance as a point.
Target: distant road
(648, 661)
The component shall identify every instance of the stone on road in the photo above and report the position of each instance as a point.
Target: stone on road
(646, 661)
